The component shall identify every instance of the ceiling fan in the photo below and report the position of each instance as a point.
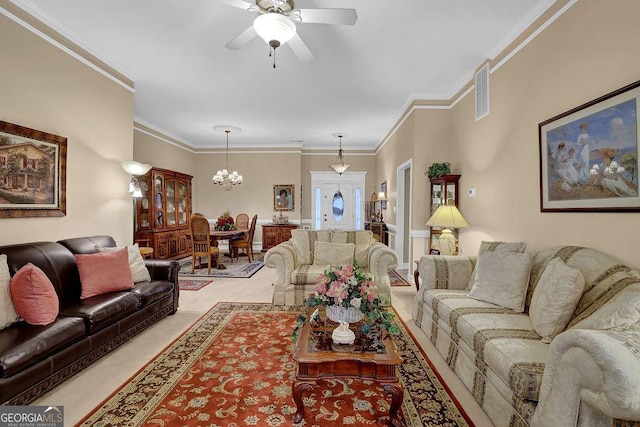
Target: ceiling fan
(275, 24)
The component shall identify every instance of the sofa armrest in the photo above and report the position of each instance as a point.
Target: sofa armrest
(382, 259)
(444, 271)
(282, 257)
(165, 270)
(598, 368)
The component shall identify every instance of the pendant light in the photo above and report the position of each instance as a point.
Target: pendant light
(223, 178)
(340, 167)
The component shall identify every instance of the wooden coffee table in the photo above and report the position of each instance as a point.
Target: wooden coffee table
(370, 357)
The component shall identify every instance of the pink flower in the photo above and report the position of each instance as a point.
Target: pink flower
(321, 286)
(345, 273)
(337, 292)
(367, 289)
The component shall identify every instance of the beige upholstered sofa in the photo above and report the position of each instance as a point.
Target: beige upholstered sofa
(528, 368)
(303, 258)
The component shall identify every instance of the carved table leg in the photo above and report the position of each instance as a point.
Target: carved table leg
(297, 389)
(397, 393)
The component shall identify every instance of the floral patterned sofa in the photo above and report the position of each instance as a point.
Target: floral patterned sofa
(303, 258)
(563, 350)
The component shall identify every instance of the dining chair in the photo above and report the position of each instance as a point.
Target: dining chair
(245, 242)
(201, 244)
(242, 221)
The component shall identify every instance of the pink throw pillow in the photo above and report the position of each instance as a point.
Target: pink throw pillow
(33, 296)
(104, 272)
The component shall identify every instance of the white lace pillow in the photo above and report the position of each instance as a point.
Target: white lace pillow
(334, 254)
(8, 315)
(555, 298)
(502, 278)
(496, 247)
(139, 270)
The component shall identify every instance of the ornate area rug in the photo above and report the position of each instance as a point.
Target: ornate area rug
(193, 285)
(234, 367)
(240, 268)
(397, 280)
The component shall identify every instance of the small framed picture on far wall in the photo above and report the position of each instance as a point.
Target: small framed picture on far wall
(283, 197)
(383, 188)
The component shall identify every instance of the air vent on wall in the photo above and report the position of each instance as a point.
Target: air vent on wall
(482, 91)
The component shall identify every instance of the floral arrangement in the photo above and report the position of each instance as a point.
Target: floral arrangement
(225, 222)
(350, 286)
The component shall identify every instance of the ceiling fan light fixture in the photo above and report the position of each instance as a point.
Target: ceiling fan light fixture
(274, 28)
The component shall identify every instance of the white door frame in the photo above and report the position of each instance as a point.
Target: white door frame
(401, 202)
(318, 178)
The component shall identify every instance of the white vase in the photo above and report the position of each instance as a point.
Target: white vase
(338, 313)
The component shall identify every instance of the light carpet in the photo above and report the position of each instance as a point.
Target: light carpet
(234, 367)
(240, 268)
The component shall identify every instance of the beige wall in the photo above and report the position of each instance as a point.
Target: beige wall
(46, 89)
(158, 151)
(586, 53)
(255, 196)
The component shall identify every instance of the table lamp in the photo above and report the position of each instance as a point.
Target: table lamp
(447, 216)
(381, 197)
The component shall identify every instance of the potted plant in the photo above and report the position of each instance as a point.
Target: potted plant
(436, 170)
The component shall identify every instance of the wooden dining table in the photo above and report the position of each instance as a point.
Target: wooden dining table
(217, 235)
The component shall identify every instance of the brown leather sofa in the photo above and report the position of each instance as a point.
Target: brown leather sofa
(34, 359)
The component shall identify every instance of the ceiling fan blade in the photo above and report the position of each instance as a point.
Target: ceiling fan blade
(300, 48)
(242, 39)
(325, 16)
(241, 4)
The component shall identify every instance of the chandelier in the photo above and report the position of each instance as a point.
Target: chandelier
(223, 177)
(340, 167)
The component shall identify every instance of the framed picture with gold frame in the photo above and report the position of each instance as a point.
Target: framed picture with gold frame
(284, 197)
(33, 173)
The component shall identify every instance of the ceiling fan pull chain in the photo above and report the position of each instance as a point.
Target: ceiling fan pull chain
(274, 58)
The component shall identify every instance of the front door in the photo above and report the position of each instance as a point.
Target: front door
(338, 206)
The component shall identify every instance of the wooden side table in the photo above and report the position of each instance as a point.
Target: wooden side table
(274, 234)
(316, 363)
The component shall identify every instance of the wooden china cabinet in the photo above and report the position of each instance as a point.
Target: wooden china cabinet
(163, 213)
(443, 189)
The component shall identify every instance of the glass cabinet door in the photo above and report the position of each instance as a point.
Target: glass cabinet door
(181, 202)
(436, 196)
(159, 200)
(144, 206)
(171, 202)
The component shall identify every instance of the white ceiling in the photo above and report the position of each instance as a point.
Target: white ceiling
(362, 78)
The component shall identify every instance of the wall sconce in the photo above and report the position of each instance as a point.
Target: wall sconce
(135, 169)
